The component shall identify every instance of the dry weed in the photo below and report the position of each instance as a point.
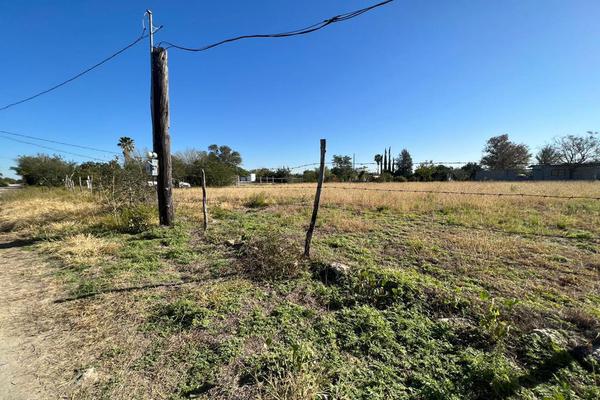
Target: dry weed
(81, 249)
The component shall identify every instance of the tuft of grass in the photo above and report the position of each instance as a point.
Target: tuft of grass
(81, 249)
(257, 200)
(181, 314)
(272, 255)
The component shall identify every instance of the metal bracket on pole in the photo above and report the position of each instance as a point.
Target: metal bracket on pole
(150, 29)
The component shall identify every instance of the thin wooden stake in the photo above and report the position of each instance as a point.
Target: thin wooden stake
(313, 219)
(204, 211)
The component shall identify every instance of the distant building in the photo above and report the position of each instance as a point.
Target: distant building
(247, 179)
(501, 175)
(588, 171)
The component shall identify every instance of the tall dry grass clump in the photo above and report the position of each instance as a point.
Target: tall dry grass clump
(81, 249)
(30, 210)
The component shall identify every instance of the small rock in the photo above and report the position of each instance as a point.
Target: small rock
(88, 376)
(551, 335)
(457, 322)
(334, 272)
(339, 268)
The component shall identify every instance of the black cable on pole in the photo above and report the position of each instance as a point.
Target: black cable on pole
(43, 92)
(53, 149)
(57, 142)
(302, 31)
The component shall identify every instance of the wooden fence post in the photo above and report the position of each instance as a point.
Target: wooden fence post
(204, 211)
(313, 219)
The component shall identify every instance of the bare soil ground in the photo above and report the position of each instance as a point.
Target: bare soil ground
(23, 342)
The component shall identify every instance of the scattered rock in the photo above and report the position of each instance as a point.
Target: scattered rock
(551, 335)
(88, 376)
(457, 322)
(234, 243)
(339, 268)
(333, 273)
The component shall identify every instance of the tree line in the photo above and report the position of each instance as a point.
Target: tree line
(222, 165)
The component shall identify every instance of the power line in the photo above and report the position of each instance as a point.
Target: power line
(53, 149)
(302, 31)
(115, 54)
(57, 142)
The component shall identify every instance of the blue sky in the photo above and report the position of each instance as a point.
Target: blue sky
(436, 77)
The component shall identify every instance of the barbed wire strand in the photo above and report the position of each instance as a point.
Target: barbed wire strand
(447, 192)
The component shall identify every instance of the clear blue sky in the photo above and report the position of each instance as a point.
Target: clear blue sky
(436, 77)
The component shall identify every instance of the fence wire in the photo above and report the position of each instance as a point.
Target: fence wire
(447, 192)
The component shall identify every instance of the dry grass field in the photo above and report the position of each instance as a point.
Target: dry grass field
(442, 296)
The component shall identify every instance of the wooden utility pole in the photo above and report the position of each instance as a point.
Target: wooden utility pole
(160, 128)
(313, 219)
(204, 211)
(160, 135)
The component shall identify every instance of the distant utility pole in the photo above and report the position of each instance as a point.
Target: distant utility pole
(161, 140)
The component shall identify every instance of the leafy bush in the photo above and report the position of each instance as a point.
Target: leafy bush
(257, 200)
(136, 219)
(182, 314)
(272, 255)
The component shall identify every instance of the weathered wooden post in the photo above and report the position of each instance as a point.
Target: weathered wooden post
(313, 219)
(204, 211)
(160, 134)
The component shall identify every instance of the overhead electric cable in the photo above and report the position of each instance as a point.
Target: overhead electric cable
(302, 31)
(115, 54)
(57, 142)
(54, 149)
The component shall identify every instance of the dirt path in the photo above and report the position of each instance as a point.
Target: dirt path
(22, 342)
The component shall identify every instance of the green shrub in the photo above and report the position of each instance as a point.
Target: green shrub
(136, 219)
(257, 200)
(181, 314)
(272, 255)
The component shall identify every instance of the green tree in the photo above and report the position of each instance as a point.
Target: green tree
(424, 172)
(405, 164)
(547, 155)
(342, 168)
(43, 169)
(221, 166)
(470, 170)
(310, 175)
(501, 153)
(127, 145)
(225, 154)
(378, 160)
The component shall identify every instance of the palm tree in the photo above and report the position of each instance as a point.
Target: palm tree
(127, 145)
(378, 158)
